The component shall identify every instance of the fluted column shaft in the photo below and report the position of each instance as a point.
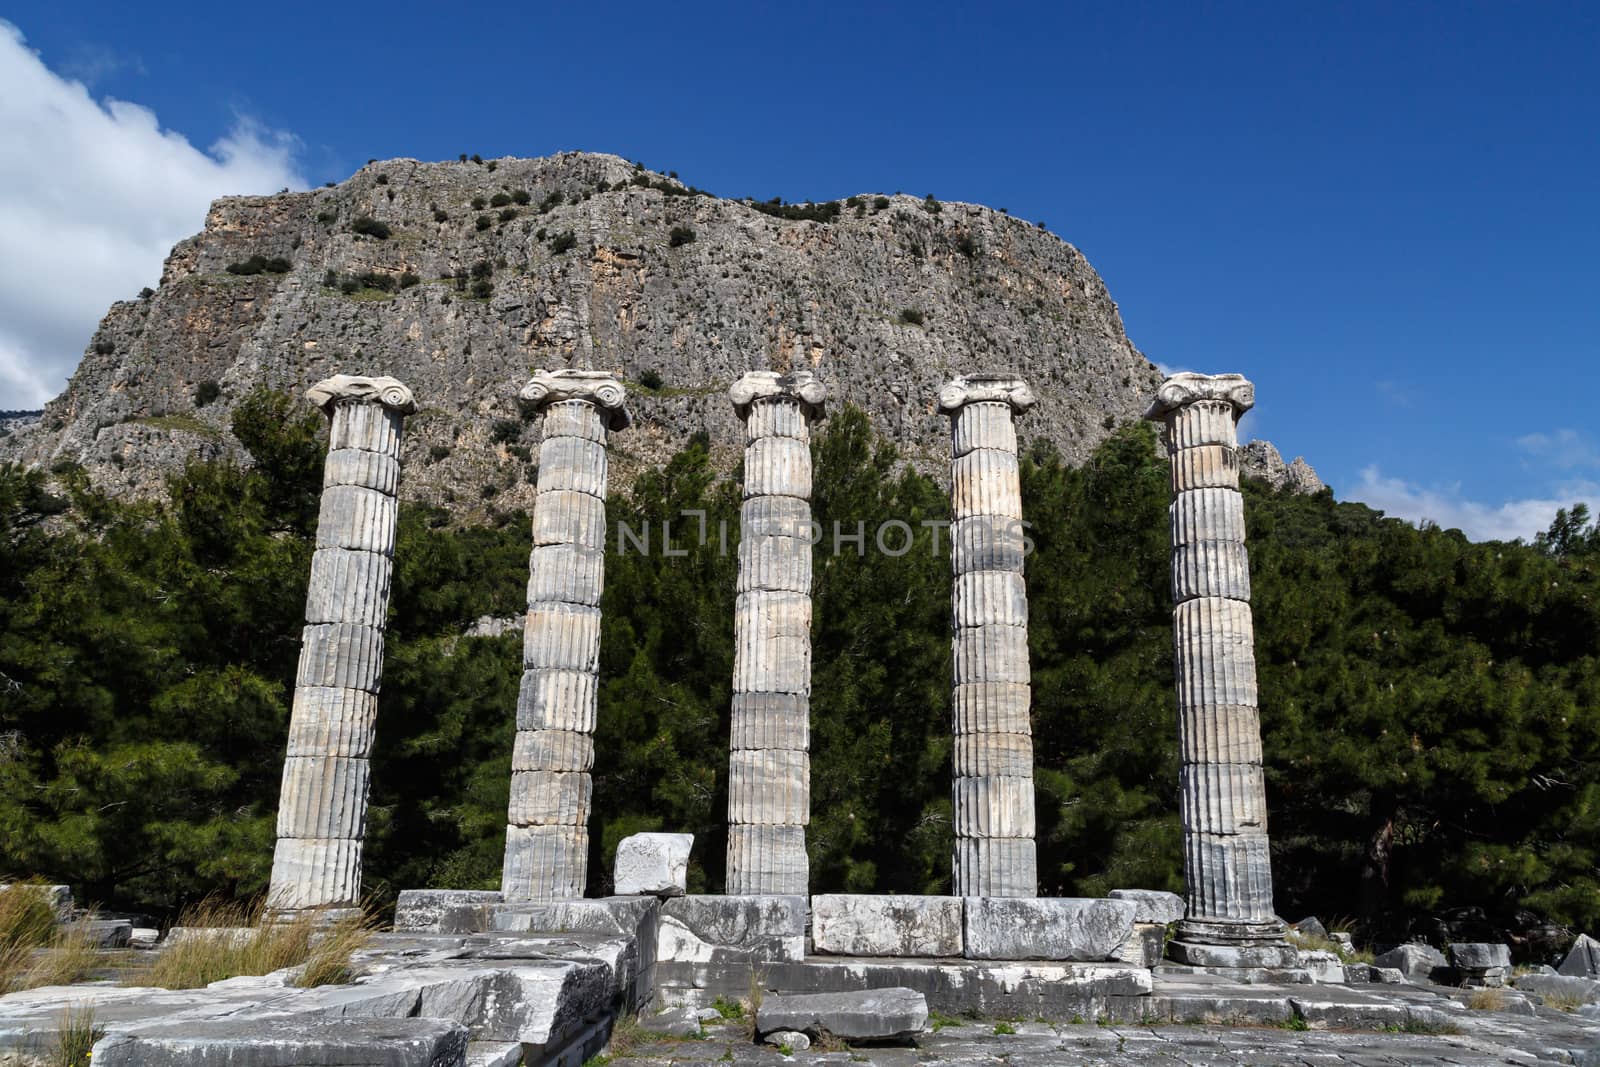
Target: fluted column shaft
(993, 757)
(1222, 797)
(769, 763)
(547, 831)
(322, 807)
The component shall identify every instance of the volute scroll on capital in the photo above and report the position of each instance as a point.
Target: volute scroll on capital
(802, 386)
(356, 389)
(979, 388)
(597, 387)
(1186, 388)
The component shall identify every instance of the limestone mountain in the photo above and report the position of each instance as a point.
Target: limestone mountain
(460, 278)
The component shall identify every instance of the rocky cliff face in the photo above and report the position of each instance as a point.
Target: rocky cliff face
(460, 278)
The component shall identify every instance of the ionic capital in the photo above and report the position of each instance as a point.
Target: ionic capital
(977, 388)
(801, 386)
(353, 389)
(1184, 389)
(597, 387)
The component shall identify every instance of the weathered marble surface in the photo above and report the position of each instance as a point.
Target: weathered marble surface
(322, 806)
(993, 787)
(1222, 800)
(652, 865)
(769, 762)
(547, 843)
(851, 924)
(892, 1014)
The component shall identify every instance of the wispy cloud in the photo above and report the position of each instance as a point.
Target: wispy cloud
(93, 194)
(1446, 506)
(1393, 393)
(1567, 449)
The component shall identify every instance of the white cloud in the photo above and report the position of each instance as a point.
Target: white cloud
(1449, 509)
(93, 194)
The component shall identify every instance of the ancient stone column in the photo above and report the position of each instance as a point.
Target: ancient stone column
(994, 855)
(322, 809)
(547, 832)
(1222, 799)
(769, 772)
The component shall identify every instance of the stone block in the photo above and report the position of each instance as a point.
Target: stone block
(771, 721)
(1480, 963)
(983, 597)
(144, 937)
(732, 928)
(550, 798)
(767, 859)
(1152, 905)
(1207, 515)
(570, 573)
(545, 861)
(323, 796)
(994, 807)
(552, 750)
(312, 872)
(893, 1014)
(1234, 957)
(552, 699)
(984, 424)
(369, 427)
(629, 917)
(1229, 876)
(985, 482)
(777, 466)
(1324, 967)
(1210, 568)
(1342, 1012)
(356, 466)
(1214, 652)
(288, 1042)
(1583, 960)
(1057, 928)
(793, 1040)
(993, 755)
(108, 933)
(987, 543)
(777, 564)
(1367, 974)
(772, 643)
(341, 656)
(995, 867)
(348, 586)
(1227, 733)
(1142, 947)
(561, 637)
(1566, 987)
(1417, 962)
(991, 654)
(991, 707)
(572, 464)
(332, 722)
(681, 1021)
(421, 910)
(1205, 467)
(777, 516)
(849, 924)
(653, 865)
(769, 786)
(1223, 798)
(566, 517)
(356, 518)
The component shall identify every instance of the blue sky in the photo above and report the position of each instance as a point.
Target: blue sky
(1386, 215)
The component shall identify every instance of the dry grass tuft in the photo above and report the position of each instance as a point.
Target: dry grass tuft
(34, 950)
(1487, 1000)
(268, 945)
(76, 1035)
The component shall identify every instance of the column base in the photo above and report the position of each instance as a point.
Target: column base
(1209, 943)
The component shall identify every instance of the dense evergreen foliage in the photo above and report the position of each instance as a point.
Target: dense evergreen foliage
(1431, 707)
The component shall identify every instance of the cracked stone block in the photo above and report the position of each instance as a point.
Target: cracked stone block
(293, 1042)
(1152, 905)
(653, 865)
(1049, 928)
(891, 1014)
(422, 909)
(849, 924)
